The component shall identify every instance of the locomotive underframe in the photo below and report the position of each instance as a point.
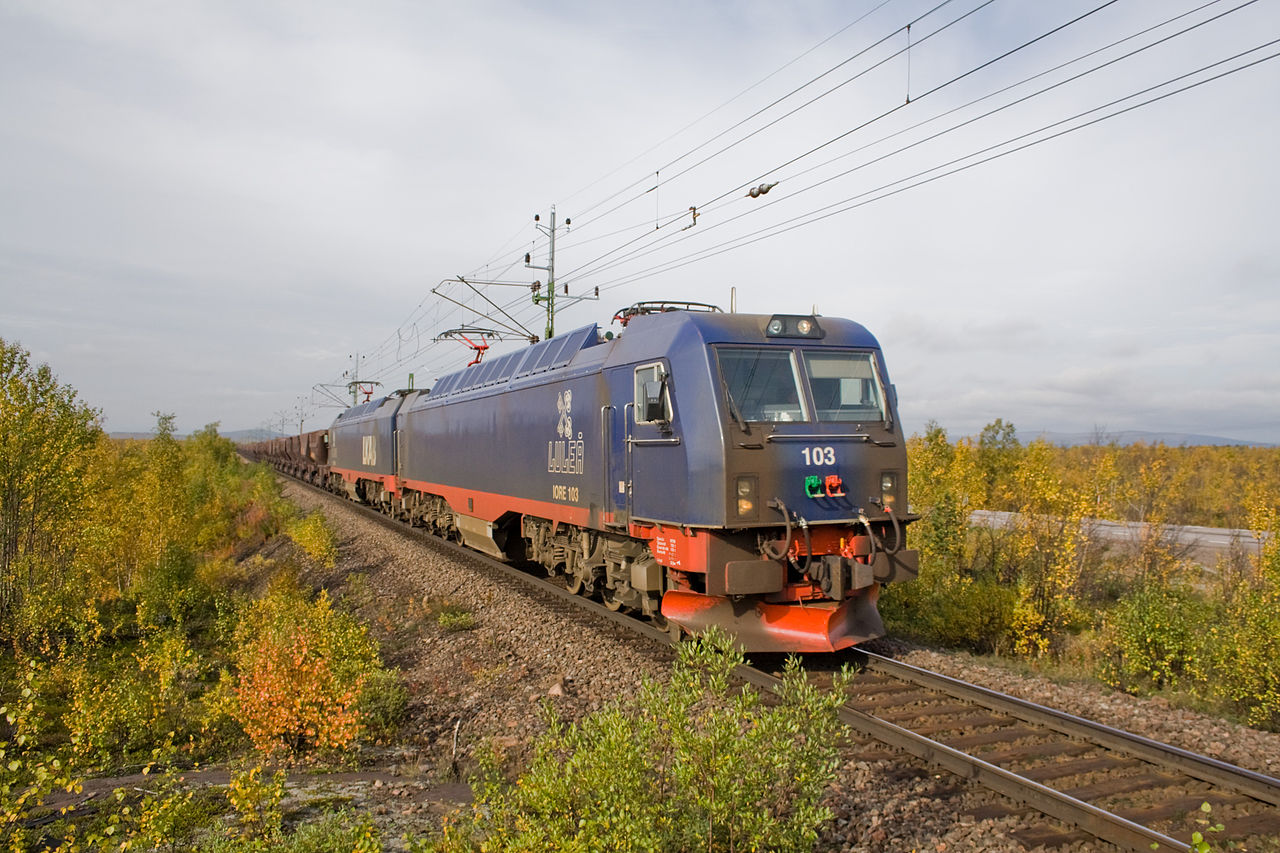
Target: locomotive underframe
(826, 585)
(820, 596)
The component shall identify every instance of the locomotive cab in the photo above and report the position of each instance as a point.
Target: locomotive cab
(807, 517)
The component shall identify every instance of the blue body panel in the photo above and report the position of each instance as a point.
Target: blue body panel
(526, 424)
(363, 437)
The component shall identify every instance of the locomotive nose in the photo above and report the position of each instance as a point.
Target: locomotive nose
(763, 627)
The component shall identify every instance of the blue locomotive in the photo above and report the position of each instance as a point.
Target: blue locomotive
(700, 468)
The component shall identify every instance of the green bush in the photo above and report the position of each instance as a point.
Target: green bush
(456, 620)
(47, 437)
(383, 702)
(1221, 650)
(167, 592)
(1153, 638)
(958, 611)
(127, 705)
(256, 801)
(170, 815)
(313, 536)
(333, 832)
(336, 832)
(28, 774)
(1241, 658)
(694, 764)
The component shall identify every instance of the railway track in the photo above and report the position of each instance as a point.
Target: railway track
(1099, 781)
(1106, 783)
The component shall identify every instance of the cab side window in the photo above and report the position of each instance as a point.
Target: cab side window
(652, 398)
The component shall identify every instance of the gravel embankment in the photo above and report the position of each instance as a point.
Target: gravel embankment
(468, 686)
(490, 682)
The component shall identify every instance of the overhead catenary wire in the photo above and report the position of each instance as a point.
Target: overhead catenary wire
(757, 210)
(943, 28)
(774, 73)
(586, 267)
(858, 201)
(807, 103)
(709, 113)
(767, 106)
(1012, 86)
(932, 91)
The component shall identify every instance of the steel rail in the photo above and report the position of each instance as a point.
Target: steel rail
(1097, 822)
(1256, 785)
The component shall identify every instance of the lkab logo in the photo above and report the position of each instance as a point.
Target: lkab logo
(564, 456)
(564, 404)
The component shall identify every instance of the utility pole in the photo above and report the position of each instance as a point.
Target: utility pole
(499, 324)
(353, 376)
(549, 298)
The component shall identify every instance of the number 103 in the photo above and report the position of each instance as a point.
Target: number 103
(819, 455)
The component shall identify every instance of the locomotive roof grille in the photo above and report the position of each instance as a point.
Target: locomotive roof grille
(540, 357)
(367, 411)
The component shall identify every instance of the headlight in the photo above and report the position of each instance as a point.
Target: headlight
(888, 489)
(793, 326)
(745, 487)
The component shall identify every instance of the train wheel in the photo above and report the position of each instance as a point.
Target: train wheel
(662, 623)
(610, 600)
(573, 583)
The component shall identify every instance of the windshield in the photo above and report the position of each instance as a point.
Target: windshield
(845, 386)
(763, 384)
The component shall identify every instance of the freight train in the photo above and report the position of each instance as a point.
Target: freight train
(699, 468)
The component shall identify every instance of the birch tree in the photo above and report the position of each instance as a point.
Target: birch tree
(46, 437)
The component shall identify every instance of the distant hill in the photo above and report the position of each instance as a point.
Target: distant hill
(243, 435)
(136, 436)
(239, 436)
(1135, 436)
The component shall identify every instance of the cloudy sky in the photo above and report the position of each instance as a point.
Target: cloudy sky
(211, 208)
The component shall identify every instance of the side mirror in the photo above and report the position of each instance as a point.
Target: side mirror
(654, 410)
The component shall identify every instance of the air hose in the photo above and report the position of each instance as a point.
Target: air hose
(777, 504)
(897, 534)
(876, 541)
(871, 534)
(808, 546)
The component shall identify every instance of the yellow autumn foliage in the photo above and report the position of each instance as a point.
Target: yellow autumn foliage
(1146, 615)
